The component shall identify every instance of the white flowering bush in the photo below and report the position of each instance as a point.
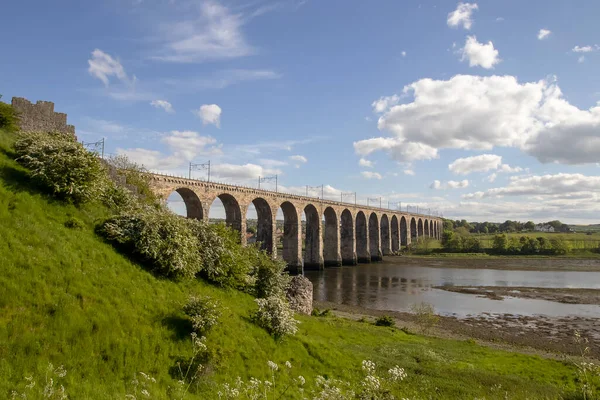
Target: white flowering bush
(271, 277)
(51, 388)
(62, 165)
(275, 315)
(588, 370)
(204, 312)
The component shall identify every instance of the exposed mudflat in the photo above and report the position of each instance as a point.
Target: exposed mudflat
(537, 334)
(560, 295)
(501, 262)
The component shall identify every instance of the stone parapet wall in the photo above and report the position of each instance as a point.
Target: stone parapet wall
(40, 117)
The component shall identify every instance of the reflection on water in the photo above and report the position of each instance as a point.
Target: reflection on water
(397, 287)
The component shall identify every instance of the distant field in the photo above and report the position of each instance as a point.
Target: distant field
(578, 240)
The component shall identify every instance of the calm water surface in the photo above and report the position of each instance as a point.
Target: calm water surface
(388, 286)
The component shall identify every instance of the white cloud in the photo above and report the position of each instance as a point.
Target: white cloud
(462, 15)
(385, 103)
(209, 114)
(365, 163)
(508, 169)
(409, 171)
(438, 185)
(245, 172)
(479, 54)
(298, 158)
(403, 53)
(491, 177)
(543, 34)
(371, 175)
(214, 34)
(269, 163)
(585, 49)
(103, 66)
(549, 187)
(480, 113)
(222, 79)
(481, 163)
(165, 105)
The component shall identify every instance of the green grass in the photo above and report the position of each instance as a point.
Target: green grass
(68, 298)
(577, 240)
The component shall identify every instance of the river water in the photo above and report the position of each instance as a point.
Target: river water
(389, 286)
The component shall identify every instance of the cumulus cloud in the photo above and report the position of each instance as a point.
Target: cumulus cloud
(209, 114)
(371, 175)
(215, 33)
(103, 66)
(165, 105)
(480, 113)
(298, 158)
(449, 185)
(479, 54)
(365, 163)
(585, 49)
(481, 163)
(409, 171)
(557, 186)
(385, 103)
(491, 177)
(543, 34)
(237, 172)
(462, 15)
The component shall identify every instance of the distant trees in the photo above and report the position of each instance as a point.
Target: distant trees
(527, 245)
(507, 226)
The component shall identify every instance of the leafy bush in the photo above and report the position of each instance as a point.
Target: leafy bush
(135, 176)
(9, 120)
(318, 313)
(271, 277)
(275, 315)
(559, 246)
(204, 313)
(426, 316)
(167, 241)
(385, 320)
(62, 165)
(500, 244)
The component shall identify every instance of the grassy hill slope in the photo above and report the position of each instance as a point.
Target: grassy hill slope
(68, 298)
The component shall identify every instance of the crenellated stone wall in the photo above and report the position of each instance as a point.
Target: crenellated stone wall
(40, 117)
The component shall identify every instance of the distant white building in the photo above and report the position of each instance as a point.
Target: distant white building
(544, 228)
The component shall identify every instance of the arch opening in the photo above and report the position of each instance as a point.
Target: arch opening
(395, 230)
(313, 258)
(348, 247)
(259, 225)
(431, 229)
(288, 234)
(185, 202)
(420, 228)
(404, 234)
(331, 240)
(374, 238)
(426, 228)
(226, 208)
(413, 230)
(362, 239)
(386, 245)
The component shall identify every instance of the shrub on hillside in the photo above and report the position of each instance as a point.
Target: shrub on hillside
(61, 165)
(385, 320)
(136, 176)
(8, 117)
(204, 312)
(500, 244)
(168, 242)
(271, 277)
(275, 315)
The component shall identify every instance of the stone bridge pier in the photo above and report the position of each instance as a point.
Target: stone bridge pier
(314, 233)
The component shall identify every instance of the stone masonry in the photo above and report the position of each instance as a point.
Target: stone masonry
(40, 117)
(336, 233)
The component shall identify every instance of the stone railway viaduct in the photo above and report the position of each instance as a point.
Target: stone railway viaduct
(337, 233)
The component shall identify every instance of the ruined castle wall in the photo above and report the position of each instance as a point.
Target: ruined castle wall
(40, 117)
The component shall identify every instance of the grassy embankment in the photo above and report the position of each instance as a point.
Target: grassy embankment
(68, 298)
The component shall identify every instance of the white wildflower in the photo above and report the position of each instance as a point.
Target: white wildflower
(272, 365)
(397, 374)
(288, 364)
(368, 366)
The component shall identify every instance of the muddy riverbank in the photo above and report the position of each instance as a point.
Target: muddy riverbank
(554, 335)
(500, 262)
(560, 295)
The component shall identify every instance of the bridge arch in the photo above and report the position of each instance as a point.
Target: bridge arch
(348, 239)
(193, 205)
(233, 212)
(313, 255)
(362, 238)
(420, 228)
(374, 238)
(395, 230)
(385, 235)
(264, 224)
(431, 231)
(414, 232)
(331, 240)
(426, 227)
(291, 236)
(404, 233)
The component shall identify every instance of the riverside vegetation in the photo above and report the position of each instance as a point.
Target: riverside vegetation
(130, 301)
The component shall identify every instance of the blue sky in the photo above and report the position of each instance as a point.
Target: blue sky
(485, 110)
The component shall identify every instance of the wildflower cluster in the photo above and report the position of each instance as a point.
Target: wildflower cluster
(203, 311)
(587, 369)
(141, 387)
(51, 390)
(275, 315)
